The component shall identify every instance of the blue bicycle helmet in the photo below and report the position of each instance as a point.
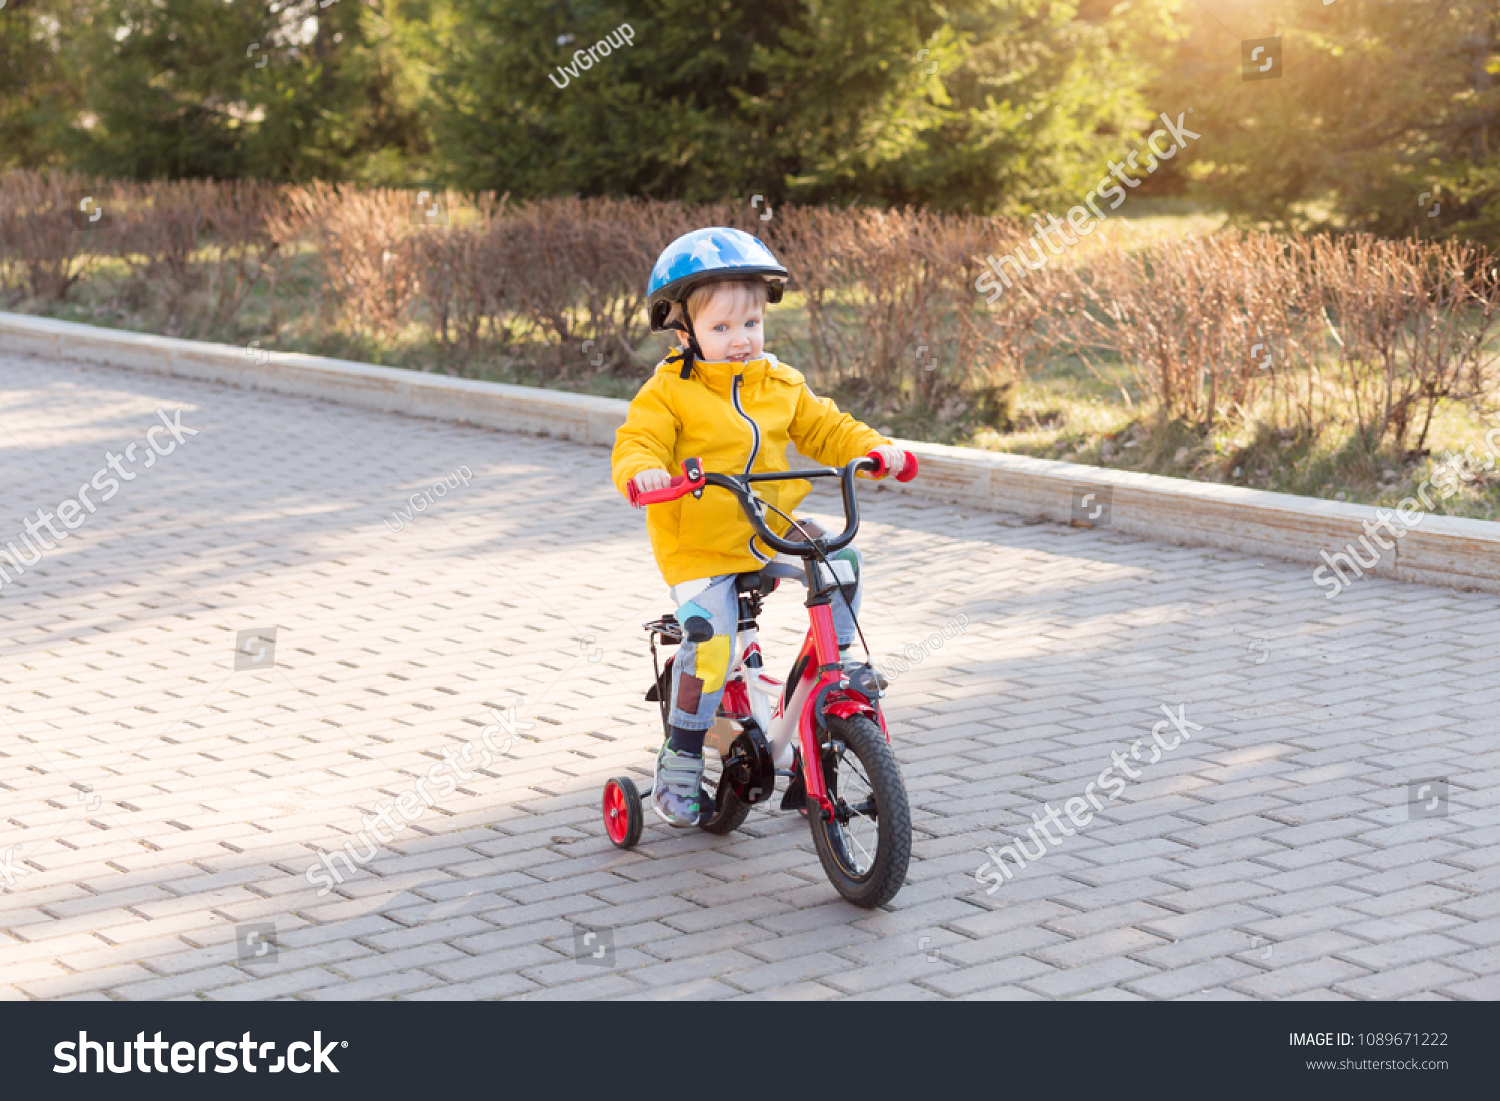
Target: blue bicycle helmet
(706, 256)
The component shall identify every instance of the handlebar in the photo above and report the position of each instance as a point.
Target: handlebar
(694, 478)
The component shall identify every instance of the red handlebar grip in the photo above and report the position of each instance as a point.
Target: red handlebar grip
(908, 466)
(675, 489)
(680, 486)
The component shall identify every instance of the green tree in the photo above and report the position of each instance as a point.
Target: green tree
(253, 88)
(40, 94)
(988, 103)
(521, 106)
(1006, 105)
(1378, 104)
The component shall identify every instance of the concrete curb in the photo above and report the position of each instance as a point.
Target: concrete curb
(1441, 551)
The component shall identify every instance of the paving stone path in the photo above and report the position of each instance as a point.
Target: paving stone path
(1332, 830)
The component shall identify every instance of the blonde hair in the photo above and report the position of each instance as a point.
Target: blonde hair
(745, 291)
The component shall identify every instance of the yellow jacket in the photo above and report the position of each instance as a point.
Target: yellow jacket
(737, 418)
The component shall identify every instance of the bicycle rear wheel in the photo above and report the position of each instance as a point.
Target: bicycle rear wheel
(866, 848)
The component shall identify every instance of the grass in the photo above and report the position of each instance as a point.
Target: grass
(1066, 412)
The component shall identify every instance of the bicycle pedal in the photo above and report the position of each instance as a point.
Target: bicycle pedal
(796, 794)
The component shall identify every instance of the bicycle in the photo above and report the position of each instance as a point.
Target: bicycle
(842, 773)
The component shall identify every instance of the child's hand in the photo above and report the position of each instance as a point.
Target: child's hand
(894, 458)
(647, 480)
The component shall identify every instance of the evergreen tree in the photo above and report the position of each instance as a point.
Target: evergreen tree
(40, 94)
(255, 88)
(1379, 103)
(988, 104)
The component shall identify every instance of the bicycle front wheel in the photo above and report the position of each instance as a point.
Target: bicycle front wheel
(866, 848)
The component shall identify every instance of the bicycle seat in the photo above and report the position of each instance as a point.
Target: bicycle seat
(754, 582)
(812, 527)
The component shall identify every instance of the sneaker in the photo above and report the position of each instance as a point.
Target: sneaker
(677, 790)
(878, 682)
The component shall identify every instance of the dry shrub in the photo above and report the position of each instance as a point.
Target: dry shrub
(42, 251)
(463, 286)
(575, 271)
(157, 229)
(869, 287)
(195, 247)
(1210, 325)
(891, 304)
(366, 247)
(580, 271)
(1186, 317)
(565, 279)
(1408, 324)
(1020, 329)
(242, 245)
(1374, 331)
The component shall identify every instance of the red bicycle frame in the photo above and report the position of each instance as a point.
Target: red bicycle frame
(831, 692)
(821, 645)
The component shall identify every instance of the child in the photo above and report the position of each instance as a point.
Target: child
(723, 399)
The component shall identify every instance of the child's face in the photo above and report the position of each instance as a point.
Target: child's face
(731, 327)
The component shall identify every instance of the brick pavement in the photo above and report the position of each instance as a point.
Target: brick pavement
(157, 800)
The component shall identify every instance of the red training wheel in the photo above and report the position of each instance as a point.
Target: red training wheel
(622, 812)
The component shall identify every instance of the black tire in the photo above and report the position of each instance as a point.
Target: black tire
(726, 816)
(861, 766)
(623, 816)
(727, 811)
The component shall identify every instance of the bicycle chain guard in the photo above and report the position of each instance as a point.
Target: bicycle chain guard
(748, 768)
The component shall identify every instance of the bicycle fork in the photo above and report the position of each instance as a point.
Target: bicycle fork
(831, 695)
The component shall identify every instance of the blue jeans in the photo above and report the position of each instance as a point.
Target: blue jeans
(700, 668)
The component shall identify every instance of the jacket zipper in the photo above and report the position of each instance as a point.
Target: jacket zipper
(754, 447)
(754, 428)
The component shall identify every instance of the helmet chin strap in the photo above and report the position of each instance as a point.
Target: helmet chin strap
(690, 349)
